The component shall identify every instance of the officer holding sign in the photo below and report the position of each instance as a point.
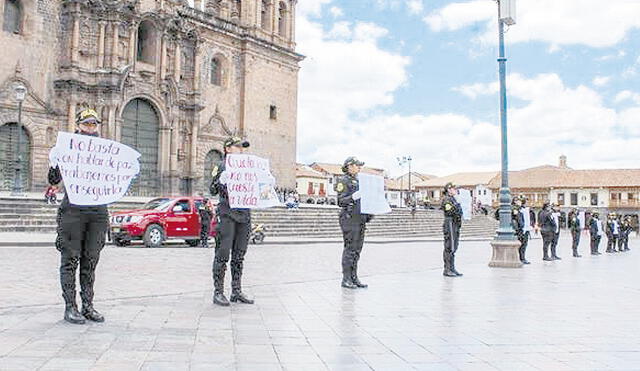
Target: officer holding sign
(81, 236)
(352, 222)
(234, 226)
(451, 229)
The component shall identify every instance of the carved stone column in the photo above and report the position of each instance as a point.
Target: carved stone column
(176, 63)
(71, 115)
(75, 38)
(101, 34)
(114, 45)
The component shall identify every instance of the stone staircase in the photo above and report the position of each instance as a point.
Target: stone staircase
(34, 215)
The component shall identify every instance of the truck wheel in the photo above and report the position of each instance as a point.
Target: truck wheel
(193, 243)
(153, 236)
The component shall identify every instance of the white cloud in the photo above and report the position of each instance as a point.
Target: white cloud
(348, 82)
(474, 90)
(336, 12)
(620, 54)
(458, 15)
(415, 6)
(601, 81)
(627, 95)
(311, 8)
(593, 23)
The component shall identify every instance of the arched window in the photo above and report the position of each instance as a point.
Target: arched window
(140, 130)
(264, 14)
(146, 42)
(12, 16)
(12, 163)
(282, 19)
(216, 71)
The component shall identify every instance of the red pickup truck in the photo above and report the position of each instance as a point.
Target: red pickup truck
(159, 220)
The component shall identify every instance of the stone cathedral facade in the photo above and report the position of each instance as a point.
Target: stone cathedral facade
(169, 79)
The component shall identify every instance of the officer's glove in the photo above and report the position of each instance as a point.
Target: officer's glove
(356, 195)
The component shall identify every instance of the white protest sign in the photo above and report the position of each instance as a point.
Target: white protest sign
(526, 216)
(464, 199)
(250, 184)
(372, 199)
(95, 171)
(581, 218)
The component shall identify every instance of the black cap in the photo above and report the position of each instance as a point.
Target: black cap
(448, 186)
(351, 160)
(235, 141)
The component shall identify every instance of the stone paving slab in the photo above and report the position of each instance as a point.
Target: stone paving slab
(573, 314)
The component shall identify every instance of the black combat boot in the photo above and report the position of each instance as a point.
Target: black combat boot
(575, 253)
(219, 269)
(238, 296)
(453, 266)
(220, 299)
(355, 279)
(71, 313)
(545, 251)
(91, 314)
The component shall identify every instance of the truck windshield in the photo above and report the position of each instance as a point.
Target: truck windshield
(156, 204)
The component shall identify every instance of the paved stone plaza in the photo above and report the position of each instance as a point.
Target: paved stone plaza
(574, 314)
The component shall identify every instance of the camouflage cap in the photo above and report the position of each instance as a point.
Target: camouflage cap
(448, 186)
(351, 160)
(87, 115)
(235, 141)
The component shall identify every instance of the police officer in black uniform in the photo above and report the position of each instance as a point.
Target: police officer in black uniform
(352, 222)
(206, 214)
(526, 234)
(451, 229)
(517, 222)
(233, 228)
(81, 237)
(594, 230)
(547, 229)
(576, 228)
(613, 232)
(625, 231)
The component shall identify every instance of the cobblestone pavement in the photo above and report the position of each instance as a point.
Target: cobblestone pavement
(573, 314)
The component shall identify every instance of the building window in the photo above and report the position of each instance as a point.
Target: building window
(146, 51)
(282, 20)
(574, 199)
(561, 199)
(216, 72)
(594, 199)
(12, 16)
(273, 112)
(630, 197)
(264, 15)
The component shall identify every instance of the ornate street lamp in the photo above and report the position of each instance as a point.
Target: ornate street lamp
(505, 245)
(20, 94)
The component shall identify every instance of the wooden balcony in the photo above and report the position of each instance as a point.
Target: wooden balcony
(624, 203)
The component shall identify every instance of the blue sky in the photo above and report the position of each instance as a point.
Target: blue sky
(387, 78)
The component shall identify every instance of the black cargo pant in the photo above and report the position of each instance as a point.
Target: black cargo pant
(523, 237)
(612, 241)
(595, 242)
(575, 235)
(451, 232)
(204, 232)
(547, 241)
(353, 235)
(232, 239)
(81, 237)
